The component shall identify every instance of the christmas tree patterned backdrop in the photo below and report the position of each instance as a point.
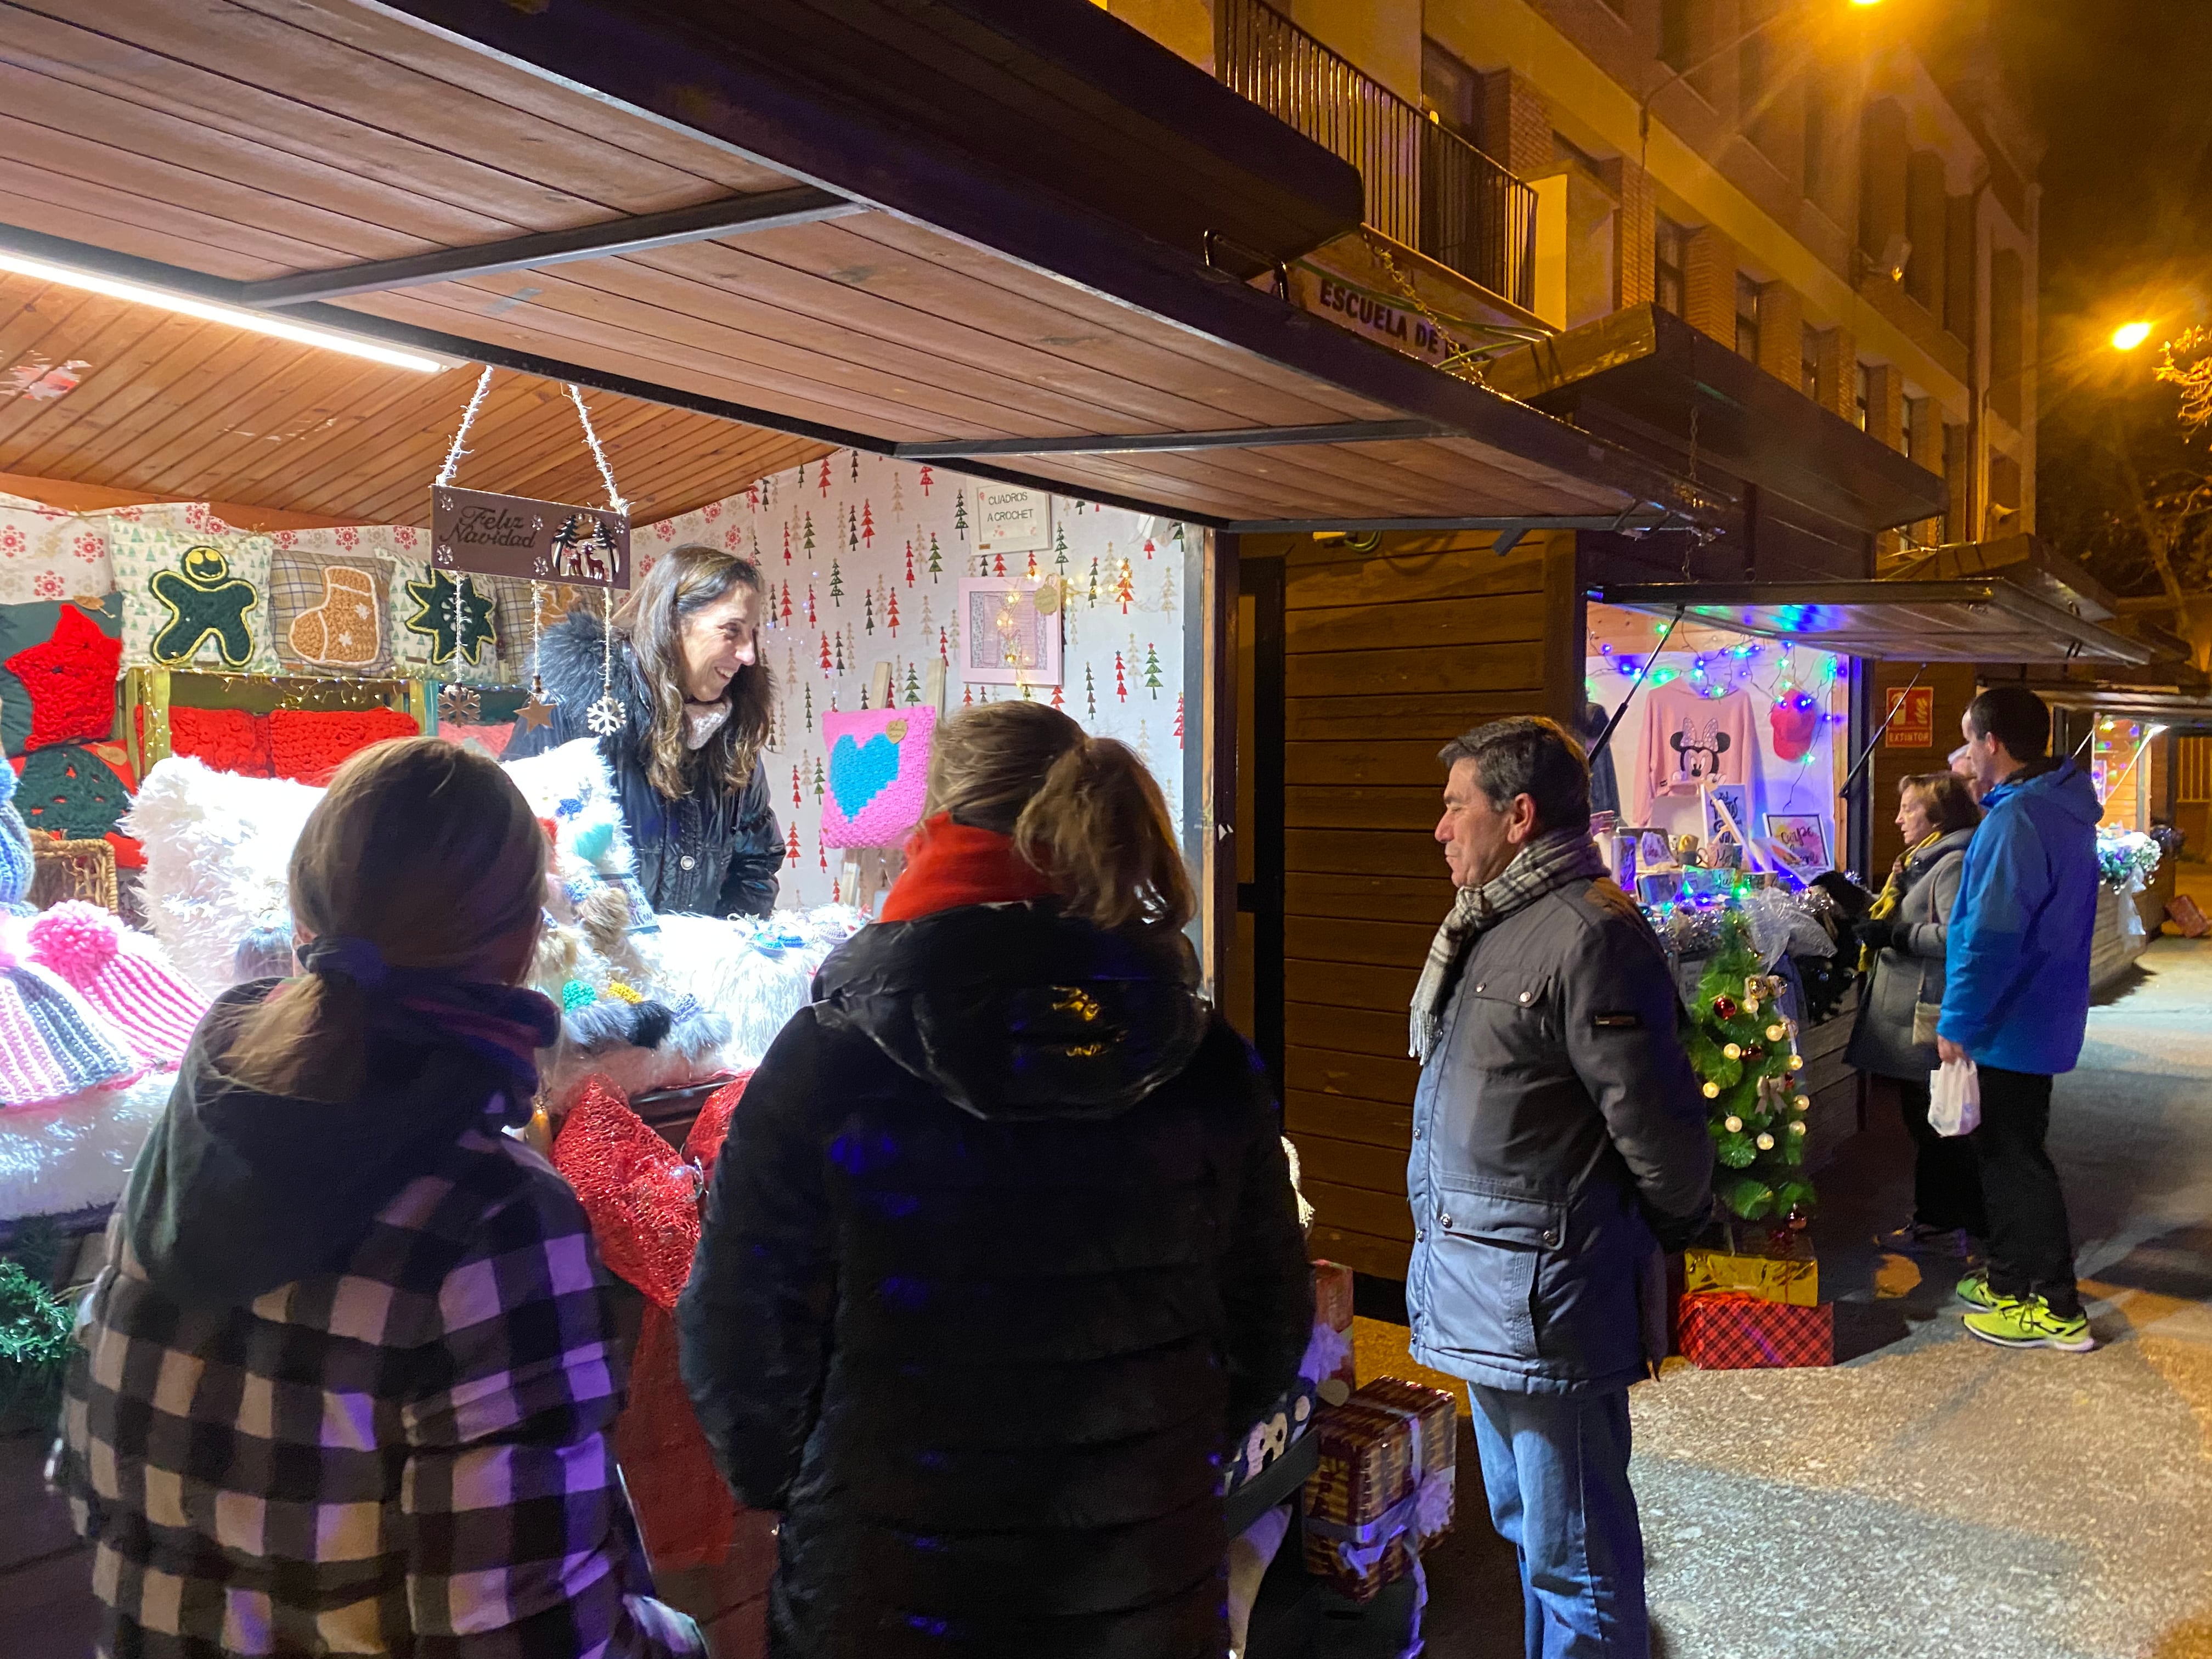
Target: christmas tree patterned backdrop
(863, 558)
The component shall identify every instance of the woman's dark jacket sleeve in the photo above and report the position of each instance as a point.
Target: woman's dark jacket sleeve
(754, 1322)
(749, 889)
(1267, 1282)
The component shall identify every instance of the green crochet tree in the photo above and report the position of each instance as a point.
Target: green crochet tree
(1746, 1057)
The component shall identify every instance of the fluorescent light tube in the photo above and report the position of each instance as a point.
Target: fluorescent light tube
(116, 288)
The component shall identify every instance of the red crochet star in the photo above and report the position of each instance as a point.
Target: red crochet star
(71, 680)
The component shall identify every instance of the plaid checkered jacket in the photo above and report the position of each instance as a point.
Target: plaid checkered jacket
(412, 1456)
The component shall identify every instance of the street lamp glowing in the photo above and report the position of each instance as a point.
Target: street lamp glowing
(1865, 3)
(2128, 335)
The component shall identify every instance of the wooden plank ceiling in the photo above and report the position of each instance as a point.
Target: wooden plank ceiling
(169, 406)
(250, 139)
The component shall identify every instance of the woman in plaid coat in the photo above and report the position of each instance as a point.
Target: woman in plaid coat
(347, 1383)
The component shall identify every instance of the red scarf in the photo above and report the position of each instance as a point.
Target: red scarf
(948, 864)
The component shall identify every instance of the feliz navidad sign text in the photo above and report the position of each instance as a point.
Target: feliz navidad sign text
(493, 535)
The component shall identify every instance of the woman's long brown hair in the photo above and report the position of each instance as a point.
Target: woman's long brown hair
(684, 582)
(429, 852)
(1083, 811)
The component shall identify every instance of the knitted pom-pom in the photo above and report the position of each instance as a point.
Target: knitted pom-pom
(651, 1024)
(593, 842)
(75, 938)
(576, 994)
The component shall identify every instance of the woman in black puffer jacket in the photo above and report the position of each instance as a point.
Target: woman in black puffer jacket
(1003, 1247)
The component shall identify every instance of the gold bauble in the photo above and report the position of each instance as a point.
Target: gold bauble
(1764, 1143)
(1796, 1062)
(1731, 1051)
(1798, 1127)
(1713, 1091)
(1733, 1125)
(1774, 1034)
(1803, 1102)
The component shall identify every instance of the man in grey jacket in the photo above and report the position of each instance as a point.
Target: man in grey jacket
(1558, 1133)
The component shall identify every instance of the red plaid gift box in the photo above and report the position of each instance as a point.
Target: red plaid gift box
(1728, 1331)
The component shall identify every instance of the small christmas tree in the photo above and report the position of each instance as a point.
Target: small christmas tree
(909, 561)
(791, 847)
(936, 560)
(1746, 1057)
(797, 798)
(891, 612)
(817, 777)
(840, 653)
(1152, 670)
(898, 494)
(999, 565)
(1060, 547)
(1178, 726)
(825, 653)
(825, 475)
(836, 585)
(1090, 691)
(752, 495)
(811, 617)
(960, 513)
(1056, 699)
(868, 608)
(912, 685)
(786, 541)
(810, 707)
(867, 525)
(806, 538)
(1125, 588)
(856, 466)
(928, 477)
(1094, 580)
(1167, 595)
(852, 531)
(786, 605)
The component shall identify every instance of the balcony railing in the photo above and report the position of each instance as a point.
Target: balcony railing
(1426, 186)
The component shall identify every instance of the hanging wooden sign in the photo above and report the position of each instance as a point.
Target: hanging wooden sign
(492, 535)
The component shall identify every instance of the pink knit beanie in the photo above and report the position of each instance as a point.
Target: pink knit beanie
(52, 1044)
(125, 981)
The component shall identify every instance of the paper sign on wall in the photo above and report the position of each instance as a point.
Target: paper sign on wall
(1911, 718)
(1011, 520)
(879, 773)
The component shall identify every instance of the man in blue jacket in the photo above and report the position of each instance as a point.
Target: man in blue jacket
(2016, 1003)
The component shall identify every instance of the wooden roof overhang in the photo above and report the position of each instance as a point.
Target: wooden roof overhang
(1010, 234)
(1972, 619)
(1646, 377)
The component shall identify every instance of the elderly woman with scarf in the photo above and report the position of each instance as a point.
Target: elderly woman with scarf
(347, 1382)
(1904, 937)
(683, 658)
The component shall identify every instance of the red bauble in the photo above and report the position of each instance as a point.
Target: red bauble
(1724, 1007)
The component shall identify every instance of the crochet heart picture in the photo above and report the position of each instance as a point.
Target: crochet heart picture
(878, 774)
(858, 772)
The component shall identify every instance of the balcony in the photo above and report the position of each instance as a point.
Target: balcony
(1427, 187)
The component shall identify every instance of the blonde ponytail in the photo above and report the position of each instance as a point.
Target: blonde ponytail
(1082, 810)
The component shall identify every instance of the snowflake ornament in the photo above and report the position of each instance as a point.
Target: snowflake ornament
(606, 717)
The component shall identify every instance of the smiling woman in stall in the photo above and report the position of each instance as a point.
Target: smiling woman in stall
(697, 701)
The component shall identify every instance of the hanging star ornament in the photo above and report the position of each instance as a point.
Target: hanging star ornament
(535, 714)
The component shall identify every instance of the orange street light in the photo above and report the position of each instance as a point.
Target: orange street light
(2128, 335)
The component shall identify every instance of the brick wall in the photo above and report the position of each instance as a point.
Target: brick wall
(1837, 372)
(1886, 405)
(1781, 332)
(1632, 243)
(1708, 285)
(1516, 124)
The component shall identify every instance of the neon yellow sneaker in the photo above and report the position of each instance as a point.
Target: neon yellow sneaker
(1974, 1291)
(2029, 1323)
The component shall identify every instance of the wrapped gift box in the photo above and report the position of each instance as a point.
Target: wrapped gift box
(1729, 1331)
(1773, 1269)
(1333, 1294)
(1383, 1486)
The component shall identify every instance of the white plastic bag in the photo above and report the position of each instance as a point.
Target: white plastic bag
(1954, 1098)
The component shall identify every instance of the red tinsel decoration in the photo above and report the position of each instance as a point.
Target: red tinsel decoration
(640, 1197)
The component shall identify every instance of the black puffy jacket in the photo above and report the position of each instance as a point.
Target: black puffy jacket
(1000, 1250)
(713, 852)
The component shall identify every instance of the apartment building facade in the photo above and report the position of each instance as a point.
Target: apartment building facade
(1842, 193)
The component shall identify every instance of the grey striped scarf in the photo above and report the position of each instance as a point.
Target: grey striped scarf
(1550, 861)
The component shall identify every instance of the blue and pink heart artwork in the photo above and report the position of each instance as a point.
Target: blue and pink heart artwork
(878, 774)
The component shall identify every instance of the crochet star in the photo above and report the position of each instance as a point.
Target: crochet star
(464, 636)
(71, 680)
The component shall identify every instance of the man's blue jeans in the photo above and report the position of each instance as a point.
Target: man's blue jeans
(1556, 1470)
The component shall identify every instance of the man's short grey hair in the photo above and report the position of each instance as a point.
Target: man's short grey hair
(1530, 757)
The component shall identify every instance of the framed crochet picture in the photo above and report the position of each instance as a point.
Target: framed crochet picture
(879, 773)
(1010, 630)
